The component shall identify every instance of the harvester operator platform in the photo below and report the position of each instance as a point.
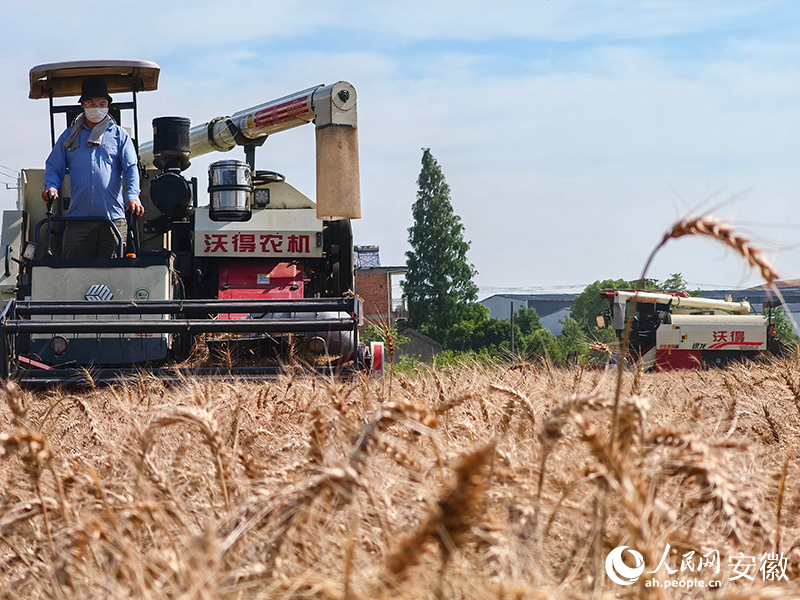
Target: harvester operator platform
(99, 155)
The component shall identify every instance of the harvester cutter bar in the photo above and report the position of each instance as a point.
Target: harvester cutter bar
(174, 307)
(20, 318)
(181, 326)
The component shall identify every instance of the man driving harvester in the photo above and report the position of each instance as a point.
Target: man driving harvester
(99, 155)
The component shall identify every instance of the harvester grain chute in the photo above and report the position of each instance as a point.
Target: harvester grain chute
(259, 276)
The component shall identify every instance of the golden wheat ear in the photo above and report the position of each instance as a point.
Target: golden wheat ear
(601, 347)
(724, 232)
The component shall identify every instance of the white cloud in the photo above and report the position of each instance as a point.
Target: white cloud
(557, 19)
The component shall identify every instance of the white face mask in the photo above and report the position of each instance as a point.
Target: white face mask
(95, 115)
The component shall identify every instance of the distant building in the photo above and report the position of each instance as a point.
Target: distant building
(419, 345)
(551, 308)
(374, 286)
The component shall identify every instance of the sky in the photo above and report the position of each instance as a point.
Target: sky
(572, 133)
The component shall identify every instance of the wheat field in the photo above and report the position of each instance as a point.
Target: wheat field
(471, 482)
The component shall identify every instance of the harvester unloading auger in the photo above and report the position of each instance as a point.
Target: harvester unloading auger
(258, 277)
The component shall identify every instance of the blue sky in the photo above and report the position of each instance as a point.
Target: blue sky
(572, 133)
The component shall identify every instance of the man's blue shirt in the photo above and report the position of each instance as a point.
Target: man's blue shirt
(96, 173)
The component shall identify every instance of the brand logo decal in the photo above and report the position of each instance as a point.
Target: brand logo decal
(99, 292)
(618, 571)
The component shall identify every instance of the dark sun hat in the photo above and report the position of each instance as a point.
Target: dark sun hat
(94, 87)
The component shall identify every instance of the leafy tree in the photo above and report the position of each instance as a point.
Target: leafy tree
(588, 306)
(438, 283)
(478, 333)
(527, 320)
(572, 338)
(375, 333)
(784, 331)
(675, 282)
(542, 342)
(476, 330)
(461, 335)
(492, 333)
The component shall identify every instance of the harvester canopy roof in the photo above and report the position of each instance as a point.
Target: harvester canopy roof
(64, 79)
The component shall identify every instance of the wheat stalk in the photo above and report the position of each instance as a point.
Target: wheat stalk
(550, 434)
(793, 387)
(691, 458)
(319, 436)
(772, 426)
(520, 398)
(86, 413)
(781, 490)
(15, 402)
(451, 519)
(209, 428)
(36, 455)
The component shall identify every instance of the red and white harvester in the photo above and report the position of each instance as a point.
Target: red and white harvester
(257, 274)
(672, 330)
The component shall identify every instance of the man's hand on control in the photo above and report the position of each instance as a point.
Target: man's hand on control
(50, 194)
(135, 207)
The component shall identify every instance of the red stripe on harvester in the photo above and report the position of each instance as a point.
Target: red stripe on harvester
(32, 363)
(292, 105)
(722, 344)
(377, 356)
(281, 116)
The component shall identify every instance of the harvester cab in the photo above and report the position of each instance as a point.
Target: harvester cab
(63, 80)
(257, 277)
(673, 330)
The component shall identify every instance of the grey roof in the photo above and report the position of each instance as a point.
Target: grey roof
(790, 294)
(535, 297)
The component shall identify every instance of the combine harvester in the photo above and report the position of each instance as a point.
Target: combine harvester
(258, 277)
(672, 330)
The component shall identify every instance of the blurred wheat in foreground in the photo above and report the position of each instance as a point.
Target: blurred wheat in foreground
(479, 482)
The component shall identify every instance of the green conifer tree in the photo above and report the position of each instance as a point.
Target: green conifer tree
(438, 284)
